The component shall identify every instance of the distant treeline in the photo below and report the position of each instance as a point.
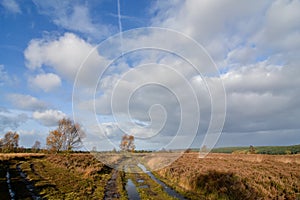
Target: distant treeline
(273, 150)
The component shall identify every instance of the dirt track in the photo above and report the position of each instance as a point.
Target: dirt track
(14, 183)
(111, 191)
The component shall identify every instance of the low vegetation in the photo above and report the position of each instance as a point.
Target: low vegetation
(272, 150)
(218, 176)
(229, 176)
(71, 176)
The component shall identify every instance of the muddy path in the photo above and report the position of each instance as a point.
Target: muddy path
(14, 183)
(139, 183)
(29, 184)
(111, 191)
(4, 191)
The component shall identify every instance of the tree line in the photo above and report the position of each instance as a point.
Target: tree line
(65, 138)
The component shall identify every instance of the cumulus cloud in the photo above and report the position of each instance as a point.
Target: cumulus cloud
(26, 102)
(256, 47)
(48, 117)
(218, 26)
(152, 101)
(65, 55)
(281, 26)
(240, 31)
(261, 97)
(46, 82)
(11, 6)
(257, 56)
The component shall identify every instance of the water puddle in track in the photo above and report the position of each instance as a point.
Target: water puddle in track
(8, 181)
(167, 189)
(132, 191)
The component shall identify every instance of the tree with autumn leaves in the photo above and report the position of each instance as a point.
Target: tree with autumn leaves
(127, 143)
(67, 137)
(10, 142)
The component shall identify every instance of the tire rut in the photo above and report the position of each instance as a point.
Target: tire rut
(29, 184)
(111, 192)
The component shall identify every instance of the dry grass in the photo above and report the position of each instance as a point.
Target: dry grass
(233, 176)
(13, 156)
(84, 164)
(70, 176)
(218, 176)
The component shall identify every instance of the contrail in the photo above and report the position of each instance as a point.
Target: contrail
(120, 26)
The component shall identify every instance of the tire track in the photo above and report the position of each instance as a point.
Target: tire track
(111, 191)
(12, 194)
(29, 184)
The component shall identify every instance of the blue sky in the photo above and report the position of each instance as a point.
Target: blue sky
(254, 47)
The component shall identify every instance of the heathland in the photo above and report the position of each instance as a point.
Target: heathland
(217, 176)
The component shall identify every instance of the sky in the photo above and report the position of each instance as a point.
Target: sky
(173, 73)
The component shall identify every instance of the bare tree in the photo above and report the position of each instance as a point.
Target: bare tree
(127, 143)
(36, 146)
(67, 136)
(10, 142)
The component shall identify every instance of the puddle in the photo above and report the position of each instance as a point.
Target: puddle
(131, 190)
(8, 181)
(144, 186)
(167, 189)
(140, 181)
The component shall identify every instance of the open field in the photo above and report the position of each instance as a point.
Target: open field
(218, 176)
(231, 176)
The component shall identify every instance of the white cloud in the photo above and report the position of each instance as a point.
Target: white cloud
(26, 102)
(65, 55)
(157, 96)
(46, 82)
(218, 26)
(281, 26)
(48, 117)
(11, 6)
(254, 43)
(257, 43)
(237, 32)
